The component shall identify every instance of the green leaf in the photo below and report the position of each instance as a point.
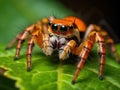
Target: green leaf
(49, 74)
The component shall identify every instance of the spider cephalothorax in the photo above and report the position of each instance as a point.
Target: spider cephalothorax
(65, 36)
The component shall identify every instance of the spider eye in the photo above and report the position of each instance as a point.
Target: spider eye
(63, 28)
(54, 27)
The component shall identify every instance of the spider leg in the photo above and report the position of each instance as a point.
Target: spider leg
(13, 42)
(109, 41)
(17, 38)
(65, 51)
(102, 53)
(84, 49)
(47, 46)
(21, 38)
(29, 52)
(39, 36)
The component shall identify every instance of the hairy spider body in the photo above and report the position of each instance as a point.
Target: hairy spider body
(65, 36)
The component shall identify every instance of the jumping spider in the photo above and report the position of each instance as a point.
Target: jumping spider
(65, 35)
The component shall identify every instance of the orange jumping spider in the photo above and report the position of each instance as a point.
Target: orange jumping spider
(65, 35)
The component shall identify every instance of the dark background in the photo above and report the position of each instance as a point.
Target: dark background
(102, 12)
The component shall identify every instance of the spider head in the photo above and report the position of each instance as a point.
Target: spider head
(61, 27)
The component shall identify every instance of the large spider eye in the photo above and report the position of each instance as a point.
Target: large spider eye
(63, 28)
(54, 27)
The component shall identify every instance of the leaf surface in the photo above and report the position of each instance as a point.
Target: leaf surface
(48, 73)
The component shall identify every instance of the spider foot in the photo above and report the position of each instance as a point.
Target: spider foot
(118, 61)
(73, 82)
(101, 77)
(48, 51)
(64, 54)
(7, 48)
(28, 69)
(15, 58)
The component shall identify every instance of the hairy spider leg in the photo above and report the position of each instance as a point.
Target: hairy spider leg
(70, 47)
(109, 41)
(86, 47)
(13, 42)
(21, 39)
(29, 51)
(42, 40)
(21, 36)
(41, 37)
(47, 46)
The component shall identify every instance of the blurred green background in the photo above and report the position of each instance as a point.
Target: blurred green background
(15, 15)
